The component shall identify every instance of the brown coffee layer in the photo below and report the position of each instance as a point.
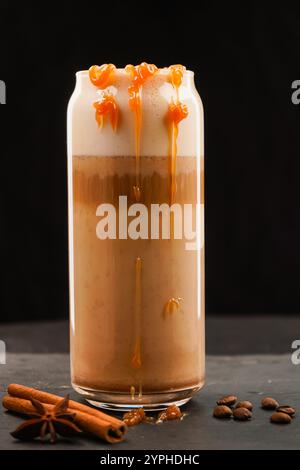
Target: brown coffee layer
(170, 325)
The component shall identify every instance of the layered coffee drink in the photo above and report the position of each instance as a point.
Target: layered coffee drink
(136, 223)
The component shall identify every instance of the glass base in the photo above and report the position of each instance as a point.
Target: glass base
(124, 402)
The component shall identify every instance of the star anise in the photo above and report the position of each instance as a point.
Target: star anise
(44, 422)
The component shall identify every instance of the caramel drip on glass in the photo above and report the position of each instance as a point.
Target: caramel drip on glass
(136, 360)
(107, 106)
(176, 76)
(173, 304)
(177, 111)
(132, 392)
(138, 74)
(102, 76)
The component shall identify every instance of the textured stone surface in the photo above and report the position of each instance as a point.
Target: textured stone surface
(250, 377)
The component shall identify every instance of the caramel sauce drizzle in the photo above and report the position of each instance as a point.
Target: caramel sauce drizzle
(134, 417)
(107, 106)
(173, 305)
(138, 416)
(171, 413)
(102, 77)
(136, 360)
(132, 392)
(138, 74)
(176, 113)
(176, 77)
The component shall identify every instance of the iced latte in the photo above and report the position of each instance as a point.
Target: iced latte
(136, 236)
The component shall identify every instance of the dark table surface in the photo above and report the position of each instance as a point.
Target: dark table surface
(250, 376)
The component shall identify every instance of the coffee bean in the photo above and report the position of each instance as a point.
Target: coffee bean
(269, 403)
(280, 418)
(228, 400)
(244, 404)
(242, 414)
(286, 409)
(222, 412)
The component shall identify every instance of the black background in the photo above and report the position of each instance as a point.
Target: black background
(245, 59)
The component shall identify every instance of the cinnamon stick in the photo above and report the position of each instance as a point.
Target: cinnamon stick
(88, 423)
(21, 391)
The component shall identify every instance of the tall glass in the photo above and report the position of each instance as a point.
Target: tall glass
(136, 237)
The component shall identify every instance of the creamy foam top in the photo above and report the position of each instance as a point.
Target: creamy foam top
(85, 137)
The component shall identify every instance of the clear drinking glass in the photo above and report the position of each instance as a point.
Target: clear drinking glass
(136, 240)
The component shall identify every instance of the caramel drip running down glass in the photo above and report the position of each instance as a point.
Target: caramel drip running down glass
(136, 236)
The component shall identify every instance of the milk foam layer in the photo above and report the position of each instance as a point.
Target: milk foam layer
(85, 138)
